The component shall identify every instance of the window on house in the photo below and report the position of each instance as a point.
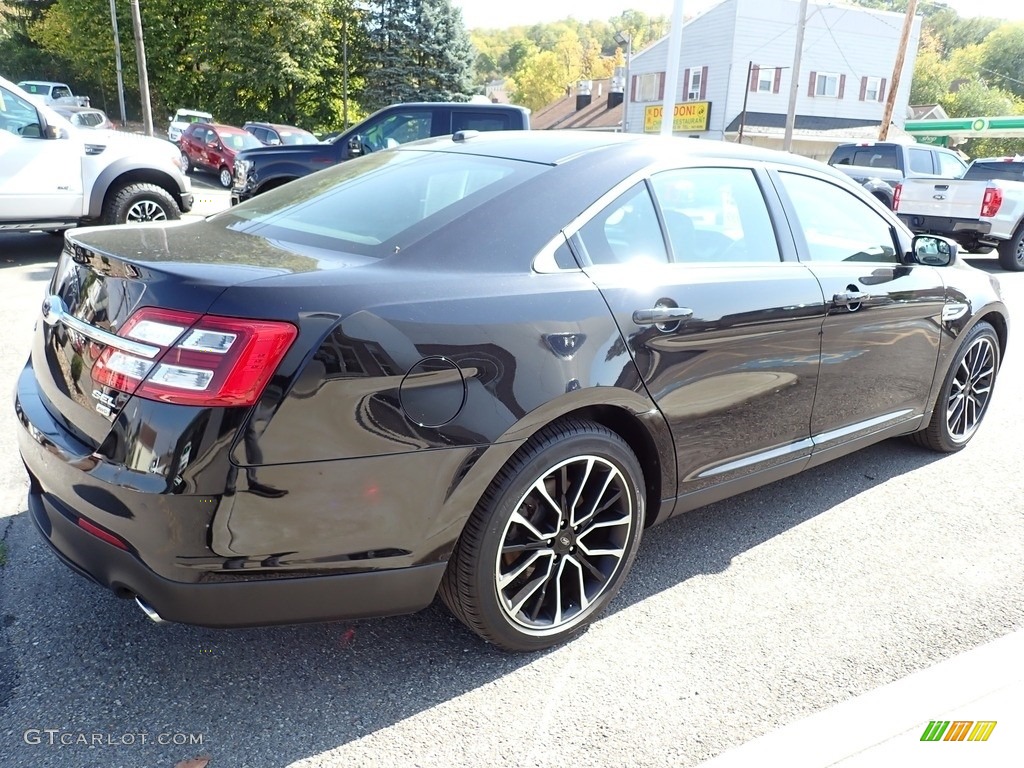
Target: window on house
(765, 79)
(648, 86)
(827, 84)
(872, 88)
(695, 82)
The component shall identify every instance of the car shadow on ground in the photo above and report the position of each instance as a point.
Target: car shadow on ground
(18, 249)
(288, 693)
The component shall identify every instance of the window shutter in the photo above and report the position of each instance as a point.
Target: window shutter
(661, 85)
(863, 88)
(810, 83)
(686, 83)
(881, 91)
(703, 82)
(632, 89)
(755, 73)
(842, 85)
(777, 85)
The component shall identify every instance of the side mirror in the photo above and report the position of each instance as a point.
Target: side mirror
(356, 146)
(932, 251)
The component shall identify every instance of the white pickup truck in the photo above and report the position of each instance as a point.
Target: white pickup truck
(981, 211)
(54, 176)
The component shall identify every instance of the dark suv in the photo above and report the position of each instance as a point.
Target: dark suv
(257, 170)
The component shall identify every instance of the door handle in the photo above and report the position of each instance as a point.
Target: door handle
(660, 315)
(850, 297)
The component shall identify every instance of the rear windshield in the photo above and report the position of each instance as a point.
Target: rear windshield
(378, 204)
(239, 141)
(870, 156)
(1005, 171)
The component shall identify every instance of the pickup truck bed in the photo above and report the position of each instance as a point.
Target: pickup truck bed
(982, 211)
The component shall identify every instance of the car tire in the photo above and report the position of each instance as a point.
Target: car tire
(224, 176)
(1011, 252)
(186, 163)
(140, 202)
(552, 539)
(965, 394)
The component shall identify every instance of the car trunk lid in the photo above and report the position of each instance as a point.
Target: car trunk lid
(102, 278)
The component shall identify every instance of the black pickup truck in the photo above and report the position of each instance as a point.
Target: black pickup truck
(259, 169)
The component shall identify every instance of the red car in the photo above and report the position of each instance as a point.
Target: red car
(212, 147)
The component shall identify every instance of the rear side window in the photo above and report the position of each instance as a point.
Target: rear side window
(921, 161)
(715, 215)
(479, 121)
(377, 204)
(626, 232)
(1005, 171)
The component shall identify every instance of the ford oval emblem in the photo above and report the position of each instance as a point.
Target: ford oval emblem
(938, 197)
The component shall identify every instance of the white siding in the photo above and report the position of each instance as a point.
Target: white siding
(845, 40)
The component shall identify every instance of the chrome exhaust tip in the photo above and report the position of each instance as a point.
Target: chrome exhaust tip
(150, 612)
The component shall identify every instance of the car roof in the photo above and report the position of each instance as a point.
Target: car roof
(41, 82)
(221, 127)
(195, 112)
(563, 146)
(275, 126)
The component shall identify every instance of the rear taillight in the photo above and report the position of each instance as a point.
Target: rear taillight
(991, 201)
(897, 192)
(202, 359)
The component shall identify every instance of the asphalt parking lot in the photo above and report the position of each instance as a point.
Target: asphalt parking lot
(737, 619)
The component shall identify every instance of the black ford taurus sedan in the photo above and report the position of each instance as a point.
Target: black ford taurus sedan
(478, 366)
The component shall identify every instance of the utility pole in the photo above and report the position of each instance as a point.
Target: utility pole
(787, 140)
(746, 93)
(140, 55)
(117, 59)
(675, 44)
(890, 99)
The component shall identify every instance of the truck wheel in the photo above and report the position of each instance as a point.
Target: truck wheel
(1011, 252)
(140, 202)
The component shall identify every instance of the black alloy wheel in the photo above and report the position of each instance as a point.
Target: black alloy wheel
(966, 392)
(551, 541)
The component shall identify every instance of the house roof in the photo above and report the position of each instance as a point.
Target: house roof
(812, 126)
(595, 117)
(927, 112)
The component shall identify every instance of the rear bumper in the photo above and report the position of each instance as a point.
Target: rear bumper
(170, 559)
(948, 226)
(234, 604)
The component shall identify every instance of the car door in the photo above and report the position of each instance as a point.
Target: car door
(39, 177)
(880, 336)
(722, 322)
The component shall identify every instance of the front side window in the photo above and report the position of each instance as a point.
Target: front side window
(837, 225)
(398, 129)
(625, 232)
(827, 84)
(715, 215)
(18, 116)
(61, 92)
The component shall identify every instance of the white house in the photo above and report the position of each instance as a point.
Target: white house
(736, 70)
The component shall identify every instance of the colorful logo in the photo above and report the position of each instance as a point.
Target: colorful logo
(958, 730)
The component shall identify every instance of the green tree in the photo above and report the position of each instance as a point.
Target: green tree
(417, 50)
(1003, 57)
